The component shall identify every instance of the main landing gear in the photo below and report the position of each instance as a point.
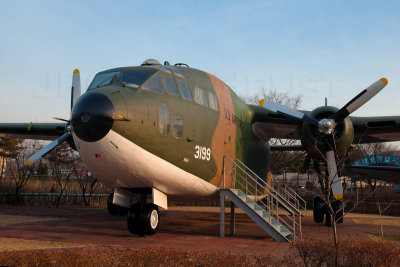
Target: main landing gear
(142, 218)
(320, 210)
(113, 209)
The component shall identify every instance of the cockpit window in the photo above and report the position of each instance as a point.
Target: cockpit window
(154, 85)
(170, 85)
(103, 79)
(185, 91)
(134, 78)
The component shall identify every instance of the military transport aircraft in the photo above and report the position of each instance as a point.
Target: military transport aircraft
(159, 132)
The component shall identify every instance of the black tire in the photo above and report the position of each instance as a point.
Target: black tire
(134, 219)
(337, 206)
(122, 211)
(318, 210)
(328, 218)
(112, 208)
(150, 219)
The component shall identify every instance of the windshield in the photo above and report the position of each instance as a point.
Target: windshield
(103, 79)
(135, 78)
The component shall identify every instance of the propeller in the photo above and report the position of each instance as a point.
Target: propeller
(326, 126)
(75, 94)
(76, 87)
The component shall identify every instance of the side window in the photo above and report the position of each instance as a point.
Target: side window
(185, 91)
(170, 85)
(200, 96)
(213, 101)
(177, 123)
(154, 85)
(163, 119)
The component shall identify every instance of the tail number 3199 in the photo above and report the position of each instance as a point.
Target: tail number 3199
(202, 153)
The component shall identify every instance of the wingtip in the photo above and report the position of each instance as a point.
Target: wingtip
(384, 80)
(261, 102)
(76, 71)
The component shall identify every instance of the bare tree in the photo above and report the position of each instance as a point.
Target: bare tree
(281, 161)
(63, 161)
(87, 182)
(381, 211)
(17, 152)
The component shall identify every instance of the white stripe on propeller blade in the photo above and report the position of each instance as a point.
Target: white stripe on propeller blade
(370, 92)
(334, 179)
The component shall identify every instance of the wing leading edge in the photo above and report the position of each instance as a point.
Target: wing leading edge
(38, 131)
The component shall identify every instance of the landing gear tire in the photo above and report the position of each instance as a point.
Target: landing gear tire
(150, 219)
(113, 209)
(143, 221)
(337, 206)
(328, 218)
(134, 219)
(318, 210)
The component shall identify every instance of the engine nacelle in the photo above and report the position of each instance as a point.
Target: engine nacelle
(313, 140)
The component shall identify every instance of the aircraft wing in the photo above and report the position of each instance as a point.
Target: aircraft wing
(39, 131)
(376, 129)
(385, 173)
(268, 124)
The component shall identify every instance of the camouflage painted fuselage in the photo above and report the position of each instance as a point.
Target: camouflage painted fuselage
(207, 133)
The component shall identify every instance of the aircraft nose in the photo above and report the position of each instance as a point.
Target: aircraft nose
(92, 117)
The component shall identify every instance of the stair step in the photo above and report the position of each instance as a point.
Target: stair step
(260, 211)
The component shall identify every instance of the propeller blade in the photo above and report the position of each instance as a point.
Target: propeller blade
(45, 150)
(336, 182)
(60, 119)
(360, 99)
(276, 107)
(76, 87)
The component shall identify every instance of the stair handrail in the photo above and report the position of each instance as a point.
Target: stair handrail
(294, 208)
(272, 208)
(300, 202)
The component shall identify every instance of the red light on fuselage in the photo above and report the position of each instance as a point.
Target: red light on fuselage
(97, 156)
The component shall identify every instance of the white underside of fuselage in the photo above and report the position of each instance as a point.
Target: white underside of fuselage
(123, 164)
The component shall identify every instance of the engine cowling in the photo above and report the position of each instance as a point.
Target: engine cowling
(312, 138)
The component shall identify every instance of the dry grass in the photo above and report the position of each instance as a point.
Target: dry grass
(352, 252)
(143, 257)
(309, 252)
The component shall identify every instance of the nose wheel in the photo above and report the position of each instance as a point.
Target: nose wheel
(143, 219)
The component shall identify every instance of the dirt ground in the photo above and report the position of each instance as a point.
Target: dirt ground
(181, 228)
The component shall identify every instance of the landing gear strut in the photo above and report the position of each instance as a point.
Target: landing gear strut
(143, 219)
(113, 209)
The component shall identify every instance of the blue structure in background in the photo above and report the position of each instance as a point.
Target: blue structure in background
(377, 159)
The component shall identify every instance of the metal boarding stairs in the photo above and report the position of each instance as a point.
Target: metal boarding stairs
(274, 210)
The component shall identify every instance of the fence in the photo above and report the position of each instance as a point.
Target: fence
(50, 199)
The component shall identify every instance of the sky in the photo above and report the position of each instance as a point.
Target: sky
(315, 49)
